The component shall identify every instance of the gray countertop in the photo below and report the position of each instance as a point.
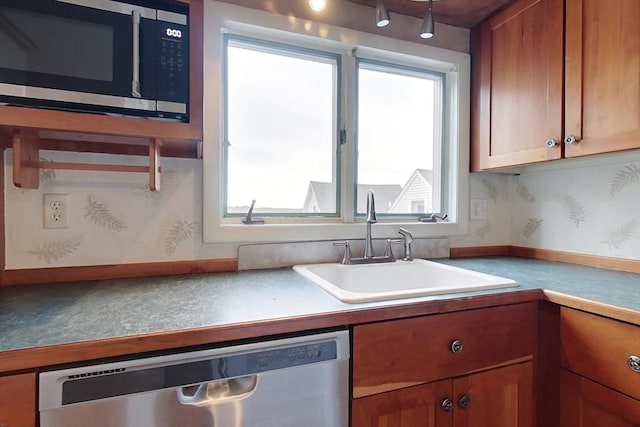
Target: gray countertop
(45, 315)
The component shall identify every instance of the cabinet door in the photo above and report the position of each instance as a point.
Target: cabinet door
(500, 397)
(585, 403)
(602, 106)
(517, 85)
(418, 406)
(18, 400)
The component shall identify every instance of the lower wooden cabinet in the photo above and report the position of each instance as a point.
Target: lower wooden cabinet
(426, 405)
(468, 368)
(18, 400)
(586, 403)
(501, 397)
(600, 380)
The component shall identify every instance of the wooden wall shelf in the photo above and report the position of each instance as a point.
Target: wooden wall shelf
(27, 164)
(101, 133)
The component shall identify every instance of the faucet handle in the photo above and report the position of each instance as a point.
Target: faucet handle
(346, 258)
(388, 252)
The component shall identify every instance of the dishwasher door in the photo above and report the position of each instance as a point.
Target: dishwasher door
(292, 382)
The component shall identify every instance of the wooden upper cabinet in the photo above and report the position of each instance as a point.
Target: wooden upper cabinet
(517, 85)
(602, 106)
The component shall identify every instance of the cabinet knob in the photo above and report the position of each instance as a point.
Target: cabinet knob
(457, 346)
(447, 404)
(570, 140)
(634, 363)
(552, 142)
(464, 402)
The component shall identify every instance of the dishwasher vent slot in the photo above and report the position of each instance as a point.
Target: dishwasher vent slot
(96, 373)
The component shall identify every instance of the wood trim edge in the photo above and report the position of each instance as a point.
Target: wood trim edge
(611, 263)
(478, 251)
(621, 264)
(116, 271)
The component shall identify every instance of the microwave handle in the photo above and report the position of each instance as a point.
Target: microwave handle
(135, 82)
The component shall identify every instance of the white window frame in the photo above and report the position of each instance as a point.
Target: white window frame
(222, 17)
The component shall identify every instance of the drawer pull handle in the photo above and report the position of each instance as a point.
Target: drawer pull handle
(634, 363)
(447, 404)
(457, 346)
(464, 402)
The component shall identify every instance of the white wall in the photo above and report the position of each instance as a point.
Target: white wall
(114, 218)
(592, 209)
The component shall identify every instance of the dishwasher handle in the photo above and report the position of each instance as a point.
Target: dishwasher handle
(216, 391)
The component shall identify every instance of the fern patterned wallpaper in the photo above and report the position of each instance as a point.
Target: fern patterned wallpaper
(593, 210)
(114, 218)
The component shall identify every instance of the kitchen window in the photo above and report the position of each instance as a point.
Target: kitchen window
(281, 111)
(305, 124)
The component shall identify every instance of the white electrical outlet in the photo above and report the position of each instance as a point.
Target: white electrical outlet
(55, 210)
(478, 209)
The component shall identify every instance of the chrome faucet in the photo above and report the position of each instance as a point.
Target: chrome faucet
(371, 219)
(368, 257)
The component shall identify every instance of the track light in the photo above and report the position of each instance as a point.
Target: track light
(382, 14)
(427, 29)
(317, 5)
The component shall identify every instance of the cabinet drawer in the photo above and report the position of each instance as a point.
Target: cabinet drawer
(599, 348)
(400, 353)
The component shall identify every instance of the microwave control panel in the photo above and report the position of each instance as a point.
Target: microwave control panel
(173, 66)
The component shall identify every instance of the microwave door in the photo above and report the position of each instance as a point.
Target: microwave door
(70, 55)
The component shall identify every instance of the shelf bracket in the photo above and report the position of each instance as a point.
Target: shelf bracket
(25, 159)
(27, 164)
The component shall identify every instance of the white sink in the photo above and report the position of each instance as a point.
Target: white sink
(400, 279)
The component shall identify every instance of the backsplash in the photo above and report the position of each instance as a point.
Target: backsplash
(591, 210)
(115, 219)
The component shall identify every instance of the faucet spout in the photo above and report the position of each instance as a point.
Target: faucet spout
(371, 219)
(371, 207)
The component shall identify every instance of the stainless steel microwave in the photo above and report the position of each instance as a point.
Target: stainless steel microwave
(96, 56)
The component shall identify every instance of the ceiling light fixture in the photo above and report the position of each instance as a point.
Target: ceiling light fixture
(382, 14)
(317, 5)
(427, 30)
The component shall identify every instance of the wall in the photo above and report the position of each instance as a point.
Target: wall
(587, 209)
(585, 206)
(114, 218)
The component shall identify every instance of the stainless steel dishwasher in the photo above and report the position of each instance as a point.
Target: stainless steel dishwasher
(295, 382)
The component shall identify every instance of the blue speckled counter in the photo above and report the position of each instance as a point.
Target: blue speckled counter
(600, 286)
(33, 318)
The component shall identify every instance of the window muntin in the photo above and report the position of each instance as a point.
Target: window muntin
(281, 113)
(399, 113)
